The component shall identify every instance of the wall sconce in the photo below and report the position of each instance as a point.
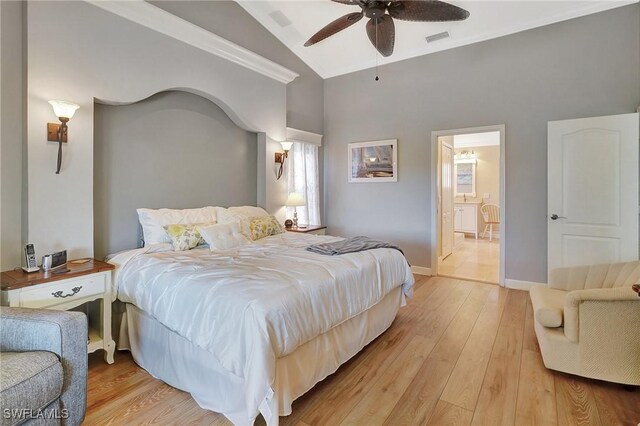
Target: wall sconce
(281, 156)
(58, 132)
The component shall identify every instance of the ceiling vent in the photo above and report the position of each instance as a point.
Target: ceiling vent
(280, 19)
(436, 37)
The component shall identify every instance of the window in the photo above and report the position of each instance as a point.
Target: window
(304, 179)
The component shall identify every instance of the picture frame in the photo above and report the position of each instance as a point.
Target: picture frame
(373, 162)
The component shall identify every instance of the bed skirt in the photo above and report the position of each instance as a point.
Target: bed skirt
(171, 358)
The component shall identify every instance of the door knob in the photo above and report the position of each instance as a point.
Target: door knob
(556, 217)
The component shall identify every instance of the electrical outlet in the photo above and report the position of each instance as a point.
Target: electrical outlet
(486, 196)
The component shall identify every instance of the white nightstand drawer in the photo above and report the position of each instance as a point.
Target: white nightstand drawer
(63, 291)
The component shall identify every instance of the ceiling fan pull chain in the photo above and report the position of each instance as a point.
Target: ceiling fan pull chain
(376, 52)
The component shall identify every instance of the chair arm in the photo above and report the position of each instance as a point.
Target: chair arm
(61, 332)
(574, 309)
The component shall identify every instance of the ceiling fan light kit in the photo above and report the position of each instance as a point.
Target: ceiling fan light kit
(381, 27)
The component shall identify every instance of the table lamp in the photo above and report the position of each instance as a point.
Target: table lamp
(295, 200)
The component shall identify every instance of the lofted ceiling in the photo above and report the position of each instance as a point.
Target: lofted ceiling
(293, 22)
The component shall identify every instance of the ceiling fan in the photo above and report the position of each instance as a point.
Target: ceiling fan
(380, 28)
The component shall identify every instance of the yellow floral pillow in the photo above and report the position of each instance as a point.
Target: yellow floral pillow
(263, 226)
(185, 237)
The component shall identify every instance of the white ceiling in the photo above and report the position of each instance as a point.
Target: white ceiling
(474, 140)
(294, 21)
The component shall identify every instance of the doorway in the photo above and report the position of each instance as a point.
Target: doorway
(468, 200)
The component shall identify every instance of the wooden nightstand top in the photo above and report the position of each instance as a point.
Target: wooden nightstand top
(11, 280)
(309, 228)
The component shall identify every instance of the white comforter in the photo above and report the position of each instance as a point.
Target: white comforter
(251, 305)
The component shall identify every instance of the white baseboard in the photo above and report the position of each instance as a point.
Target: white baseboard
(421, 270)
(520, 285)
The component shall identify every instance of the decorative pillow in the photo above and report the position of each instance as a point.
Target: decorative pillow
(153, 221)
(184, 237)
(223, 236)
(264, 226)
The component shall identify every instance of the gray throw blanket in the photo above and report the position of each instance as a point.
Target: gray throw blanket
(351, 245)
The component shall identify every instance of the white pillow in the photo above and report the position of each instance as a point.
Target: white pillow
(233, 214)
(240, 215)
(154, 220)
(223, 236)
(248, 211)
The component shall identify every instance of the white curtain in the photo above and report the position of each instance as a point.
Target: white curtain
(304, 179)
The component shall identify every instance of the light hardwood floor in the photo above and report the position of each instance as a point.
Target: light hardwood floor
(477, 260)
(460, 353)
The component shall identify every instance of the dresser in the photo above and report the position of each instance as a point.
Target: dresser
(467, 217)
(84, 287)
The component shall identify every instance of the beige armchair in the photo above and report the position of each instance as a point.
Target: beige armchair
(587, 321)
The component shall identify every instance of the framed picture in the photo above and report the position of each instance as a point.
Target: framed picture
(373, 161)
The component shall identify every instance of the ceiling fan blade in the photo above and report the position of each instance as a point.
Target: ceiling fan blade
(354, 2)
(386, 34)
(426, 11)
(334, 27)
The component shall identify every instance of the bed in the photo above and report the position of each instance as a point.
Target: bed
(250, 329)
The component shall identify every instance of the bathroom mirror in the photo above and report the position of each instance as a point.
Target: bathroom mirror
(465, 175)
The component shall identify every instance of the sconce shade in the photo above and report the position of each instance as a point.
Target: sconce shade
(295, 200)
(63, 108)
(286, 145)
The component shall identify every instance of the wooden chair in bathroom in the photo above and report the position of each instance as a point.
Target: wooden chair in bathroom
(491, 216)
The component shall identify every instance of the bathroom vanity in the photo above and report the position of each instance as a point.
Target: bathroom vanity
(467, 216)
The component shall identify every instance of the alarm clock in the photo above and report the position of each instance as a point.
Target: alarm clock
(54, 260)
(288, 223)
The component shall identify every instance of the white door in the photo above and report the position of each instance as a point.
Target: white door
(447, 217)
(592, 191)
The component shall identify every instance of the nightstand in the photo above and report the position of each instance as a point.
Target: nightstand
(85, 283)
(310, 229)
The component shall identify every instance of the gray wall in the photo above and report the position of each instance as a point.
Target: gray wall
(229, 20)
(13, 115)
(175, 150)
(578, 68)
(110, 58)
(103, 60)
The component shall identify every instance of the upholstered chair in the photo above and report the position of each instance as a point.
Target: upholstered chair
(43, 379)
(587, 321)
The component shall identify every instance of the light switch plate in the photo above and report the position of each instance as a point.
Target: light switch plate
(486, 196)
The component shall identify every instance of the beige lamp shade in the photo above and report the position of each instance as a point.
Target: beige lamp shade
(64, 108)
(295, 200)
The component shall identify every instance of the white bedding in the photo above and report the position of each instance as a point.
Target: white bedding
(251, 305)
